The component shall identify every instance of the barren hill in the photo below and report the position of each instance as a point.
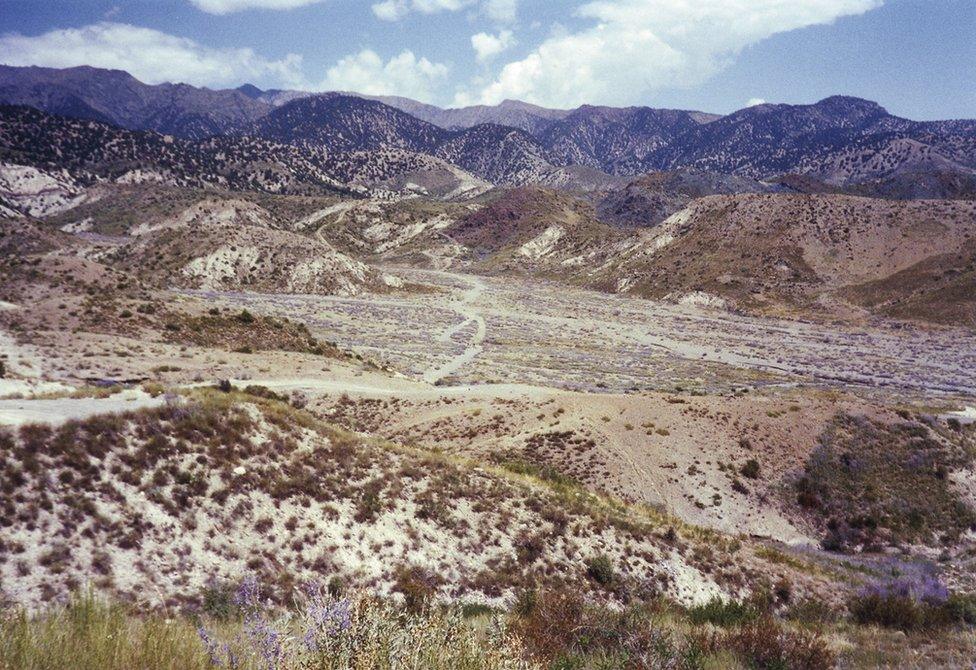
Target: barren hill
(769, 251)
(650, 199)
(531, 229)
(227, 245)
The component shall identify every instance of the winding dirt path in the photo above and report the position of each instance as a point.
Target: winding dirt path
(470, 314)
(340, 209)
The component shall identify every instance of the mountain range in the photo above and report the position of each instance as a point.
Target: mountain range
(840, 141)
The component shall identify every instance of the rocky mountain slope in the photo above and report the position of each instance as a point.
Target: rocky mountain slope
(512, 113)
(116, 97)
(340, 123)
(49, 160)
(500, 154)
(618, 141)
(904, 183)
(91, 151)
(840, 140)
(383, 172)
(344, 123)
(648, 200)
(531, 229)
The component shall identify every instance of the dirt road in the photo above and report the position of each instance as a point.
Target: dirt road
(470, 313)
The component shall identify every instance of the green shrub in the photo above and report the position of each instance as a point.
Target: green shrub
(906, 612)
(472, 610)
(870, 484)
(218, 600)
(418, 588)
(600, 569)
(766, 644)
(525, 602)
(336, 586)
(751, 469)
(810, 611)
(961, 609)
(721, 613)
(890, 611)
(264, 392)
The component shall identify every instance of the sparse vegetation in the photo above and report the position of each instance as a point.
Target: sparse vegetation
(247, 333)
(913, 602)
(871, 485)
(724, 613)
(326, 633)
(511, 514)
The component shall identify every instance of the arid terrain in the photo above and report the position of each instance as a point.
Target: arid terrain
(724, 401)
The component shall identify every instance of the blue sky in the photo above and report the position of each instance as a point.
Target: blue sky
(916, 57)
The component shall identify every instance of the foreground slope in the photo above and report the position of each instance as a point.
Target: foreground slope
(211, 484)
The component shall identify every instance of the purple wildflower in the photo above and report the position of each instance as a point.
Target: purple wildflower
(211, 646)
(324, 616)
(268, 640)
(220, 655)
(919, 585)
(248, 595)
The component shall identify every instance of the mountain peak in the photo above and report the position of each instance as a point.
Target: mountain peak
(251, 91)
(849, 103)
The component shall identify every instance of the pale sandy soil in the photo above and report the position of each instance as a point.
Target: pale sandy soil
(967, 415)
(59, 410)
(667, 395)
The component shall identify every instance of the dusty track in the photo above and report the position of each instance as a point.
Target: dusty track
(466, 307)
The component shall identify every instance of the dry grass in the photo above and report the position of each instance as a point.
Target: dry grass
(89, 634)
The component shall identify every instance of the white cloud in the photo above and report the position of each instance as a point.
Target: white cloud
(394, 10)
(501, 10)
(406, 74)
(755, 102)
(433, 6)
(391, 10)
(488, 46)
(634, 47)
(156, 57)
(149, 55)
(230, 6)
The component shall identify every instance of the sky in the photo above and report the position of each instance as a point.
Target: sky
(915, 57)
